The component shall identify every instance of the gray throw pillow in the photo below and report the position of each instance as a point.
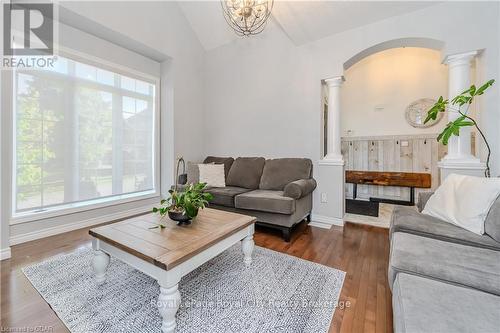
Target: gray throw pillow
(246, 172)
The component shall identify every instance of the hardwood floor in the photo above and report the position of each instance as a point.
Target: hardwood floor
(361, 251)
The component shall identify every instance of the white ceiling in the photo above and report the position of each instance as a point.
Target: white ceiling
(302, 21)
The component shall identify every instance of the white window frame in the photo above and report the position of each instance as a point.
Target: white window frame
(81, 206)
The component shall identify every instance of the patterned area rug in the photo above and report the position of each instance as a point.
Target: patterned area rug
(278, 293)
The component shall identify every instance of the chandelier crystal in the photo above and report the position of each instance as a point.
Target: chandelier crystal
(247, 17)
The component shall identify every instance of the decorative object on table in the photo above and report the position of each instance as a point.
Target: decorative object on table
(247, 17)
(416, 113)
(183, 206)
(212, 175)
(464, 119)
(180, 178)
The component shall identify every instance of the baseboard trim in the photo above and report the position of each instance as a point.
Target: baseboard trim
(325, 222)
(5, 253)
(51, 231)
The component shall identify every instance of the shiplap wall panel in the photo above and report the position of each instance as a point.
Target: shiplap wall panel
(409, 153)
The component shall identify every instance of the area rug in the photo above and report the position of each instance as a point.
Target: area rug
(277, 293)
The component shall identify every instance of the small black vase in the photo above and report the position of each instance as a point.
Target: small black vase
(179, 217)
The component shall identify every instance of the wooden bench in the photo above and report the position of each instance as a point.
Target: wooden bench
(383, 178)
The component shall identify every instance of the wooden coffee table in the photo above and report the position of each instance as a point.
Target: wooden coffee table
(170, 253)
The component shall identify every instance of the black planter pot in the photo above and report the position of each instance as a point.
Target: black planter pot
(180, 218)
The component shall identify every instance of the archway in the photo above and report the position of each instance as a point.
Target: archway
(427, 43)
(335, 86)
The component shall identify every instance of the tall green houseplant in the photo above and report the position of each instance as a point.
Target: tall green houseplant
(460, 104)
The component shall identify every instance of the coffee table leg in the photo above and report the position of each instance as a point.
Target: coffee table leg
(168, 304)
(247, 246)
(100, 262)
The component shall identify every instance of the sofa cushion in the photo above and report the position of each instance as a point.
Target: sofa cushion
(425, 305)
(492, 223)
(246, 172)
(265, 200)
(224, 196)
(469, 266)
(227, 161)
(408, 220)
(279, 172)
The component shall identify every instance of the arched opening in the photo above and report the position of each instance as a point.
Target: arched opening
(427, 43)
(381, 82)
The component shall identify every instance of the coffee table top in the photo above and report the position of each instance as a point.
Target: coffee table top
(171, 246)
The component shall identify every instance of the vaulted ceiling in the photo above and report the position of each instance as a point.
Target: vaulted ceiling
(301, 21)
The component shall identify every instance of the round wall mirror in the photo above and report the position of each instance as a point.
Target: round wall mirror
(416, 113)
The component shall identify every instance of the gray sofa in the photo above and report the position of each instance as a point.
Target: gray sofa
(444, 278)
(278, 192)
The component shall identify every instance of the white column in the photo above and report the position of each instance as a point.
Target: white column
(459, 158)
(329, 195)
(333, 133)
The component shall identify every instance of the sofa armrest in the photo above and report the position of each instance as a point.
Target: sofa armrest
(299, 188)
(423, 197)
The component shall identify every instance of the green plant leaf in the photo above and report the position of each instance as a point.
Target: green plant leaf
(439, 106)
(472, 90)
(485, 86)
(461, 100)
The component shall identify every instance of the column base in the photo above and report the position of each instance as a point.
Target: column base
(332, 160)
(470, 167)
(329, 195)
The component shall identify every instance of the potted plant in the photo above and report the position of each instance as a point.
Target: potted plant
(183, 206)
(464, 119)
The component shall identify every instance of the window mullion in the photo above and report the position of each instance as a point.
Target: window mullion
(117, 139)
(71, 145)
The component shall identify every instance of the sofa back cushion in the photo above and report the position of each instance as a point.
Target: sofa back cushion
(281, 171)
(492, 222)
(227, 161)
(246, 172)
(193, 173)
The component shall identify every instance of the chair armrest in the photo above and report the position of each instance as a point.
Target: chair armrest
(423, 197)
(299, 188)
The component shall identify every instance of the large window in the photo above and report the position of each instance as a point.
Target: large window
(83, 134)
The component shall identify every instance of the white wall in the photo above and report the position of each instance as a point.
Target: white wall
(391, 80)
(263, 94)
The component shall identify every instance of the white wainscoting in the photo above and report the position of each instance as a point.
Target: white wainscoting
(405, 153)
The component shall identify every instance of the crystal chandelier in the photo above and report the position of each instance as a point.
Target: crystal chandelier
(247, 17)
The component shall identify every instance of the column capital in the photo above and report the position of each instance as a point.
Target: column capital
(460, 58)
(335, 81)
